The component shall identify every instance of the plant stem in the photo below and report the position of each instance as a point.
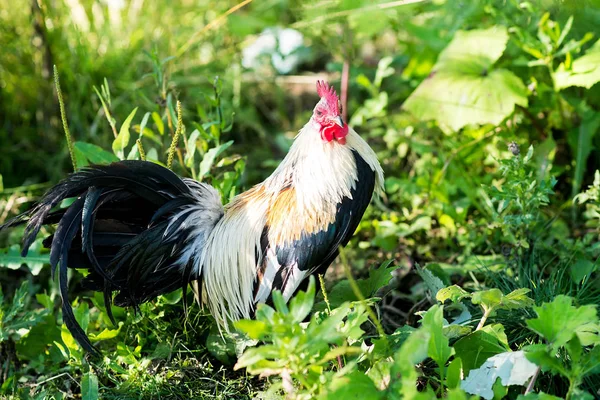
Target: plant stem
(361, 297)
(486, 314)
(63, 117)
(532, 381)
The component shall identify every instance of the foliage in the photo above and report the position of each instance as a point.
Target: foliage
(446, 95)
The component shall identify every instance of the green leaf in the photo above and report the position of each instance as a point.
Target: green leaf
(463, 88)
(378, 278)
(413, 351)
(454, 331)
(279, 303)
(494, 299)
(210, 157)
(559, 320)
(159, 123)
(106, 334)
(454, 293)
(433, 283)
(584, 72)
(458, 394)
(538, 396)
(355, 385)
(11, 259)
(190, 149)
(542, 357)
(475, 348)
(453, 373)
(220, 346)
(580, 269)
(517, 299)
(122, 139)
(497, 330)
(439, 349)
(89, 386)
(590, 363)
(488, 299)
(302, 302)
(580, 140)
(94, 154)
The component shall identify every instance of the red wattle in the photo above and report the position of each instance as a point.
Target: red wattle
(327, 133)
(330, 132)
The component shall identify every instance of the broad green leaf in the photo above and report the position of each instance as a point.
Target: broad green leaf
(488, 299)
(538, 396)
(39, 340)
(378, 278)
(301, 304)
(279, 303)
(190, 149)
(255, 359)
(106, 334)
(159, 123)
(463, 88)
(94, 154)
(542, 356)
(584, 71)
(254, 329)
(454, 331)
(122, 139)
(590, 363)
(412, 352)
(581, 268)
(82, 315)
(355, 385)
(453, 373)
(580, 140)
(220, 346)
(477, 347)
(433, 283)
(210, 157)
(89, 386)
(494, 299)
(517, 299)
(589, 334)
(439, 349)
(80, 158)
(459, 394)
(497, 330)
(454, 293)
(512, 368)
(11, 259)
(384, 348)
(559, 320)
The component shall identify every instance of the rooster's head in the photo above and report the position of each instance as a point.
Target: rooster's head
(327, 114)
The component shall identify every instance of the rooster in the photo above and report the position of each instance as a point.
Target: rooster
(142, 231)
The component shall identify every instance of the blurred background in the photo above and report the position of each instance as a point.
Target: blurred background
(438, 88)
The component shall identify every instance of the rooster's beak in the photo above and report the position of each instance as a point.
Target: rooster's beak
(338, 120)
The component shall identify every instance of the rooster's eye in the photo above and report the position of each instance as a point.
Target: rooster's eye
(319, 113)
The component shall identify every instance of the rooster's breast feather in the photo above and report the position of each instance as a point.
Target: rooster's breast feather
(286, 263)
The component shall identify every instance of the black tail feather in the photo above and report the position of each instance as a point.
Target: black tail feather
(127, 226)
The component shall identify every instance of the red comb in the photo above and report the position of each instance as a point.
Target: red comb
(328, 93)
